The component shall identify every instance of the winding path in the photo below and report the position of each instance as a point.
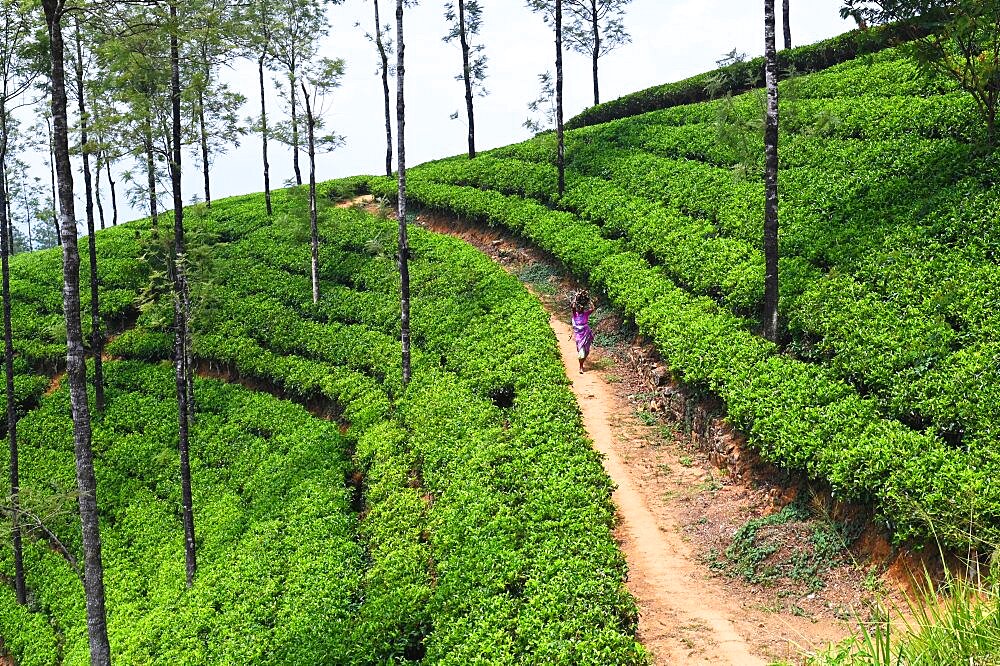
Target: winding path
(681, 619)
(687, 616)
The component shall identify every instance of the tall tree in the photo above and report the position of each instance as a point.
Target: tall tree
(52, 174)
(404, 243)
(594, 28)
(16, 78)
(297, 29)
(214, 105)
(104, 141)
(466, 17)
(770, 176)
(181, 303)
(384, 47)
(96, 337)
(5, 252)
(962, 43)
(318, 81)
(552, 14)
(28, 192)
(786, 23)
(76, 367)
(255, 40)
(132, 57)
(560, 130)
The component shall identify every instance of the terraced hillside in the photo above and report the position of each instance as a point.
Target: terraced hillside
(340, 519)
(886, 384)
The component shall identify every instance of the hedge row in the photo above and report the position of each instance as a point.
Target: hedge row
(275, 529)
(795, 413)
(862, 339)
(900, 219)
(740, 77)
(484, 532)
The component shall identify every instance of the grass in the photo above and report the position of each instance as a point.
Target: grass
(539, 276)
(710, 485)
(753, 553)
(604, 363)
(647, 418)
(956, 625)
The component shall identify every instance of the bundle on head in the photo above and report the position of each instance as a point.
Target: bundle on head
(581, 300)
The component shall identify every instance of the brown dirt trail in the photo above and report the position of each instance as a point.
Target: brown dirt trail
(673, 598)
(676, 510)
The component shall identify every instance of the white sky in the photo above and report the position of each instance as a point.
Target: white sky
(671, 40)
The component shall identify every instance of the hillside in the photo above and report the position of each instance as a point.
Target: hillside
(885, 386)
(466, 516)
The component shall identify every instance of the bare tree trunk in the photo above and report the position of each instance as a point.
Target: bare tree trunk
(27, 218)
(263, 134)
(154, 214)
(6, 224)
(114, 195)
(292, 79)
(204, 149)
(76, 365)
(385, 92)
(787, 24)
(404, 244)
(202, 126)
(96, 338)
(771, 177)
(313, 222)
(467, 75)
(97, 187)
(8, 206)
(560, 132)
(596, 54)
(189, 357)
(180, 315)
(52, 170)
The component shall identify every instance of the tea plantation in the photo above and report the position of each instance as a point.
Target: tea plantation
(463, 520)
(343, 517)
(886, 385)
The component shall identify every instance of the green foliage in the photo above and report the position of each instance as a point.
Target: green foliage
(802, 415)
(888, 280)
(953, 624)
(430, 522)
(742, 76)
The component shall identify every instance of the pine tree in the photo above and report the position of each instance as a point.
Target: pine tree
(466, 18)
(319, 79)
(593, 28)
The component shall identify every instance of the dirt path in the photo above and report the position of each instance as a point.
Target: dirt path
(678, 611)
(678, 512)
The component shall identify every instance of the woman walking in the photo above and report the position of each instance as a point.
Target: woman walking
(582, 309)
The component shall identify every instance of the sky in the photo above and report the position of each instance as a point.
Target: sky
(671, 40)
